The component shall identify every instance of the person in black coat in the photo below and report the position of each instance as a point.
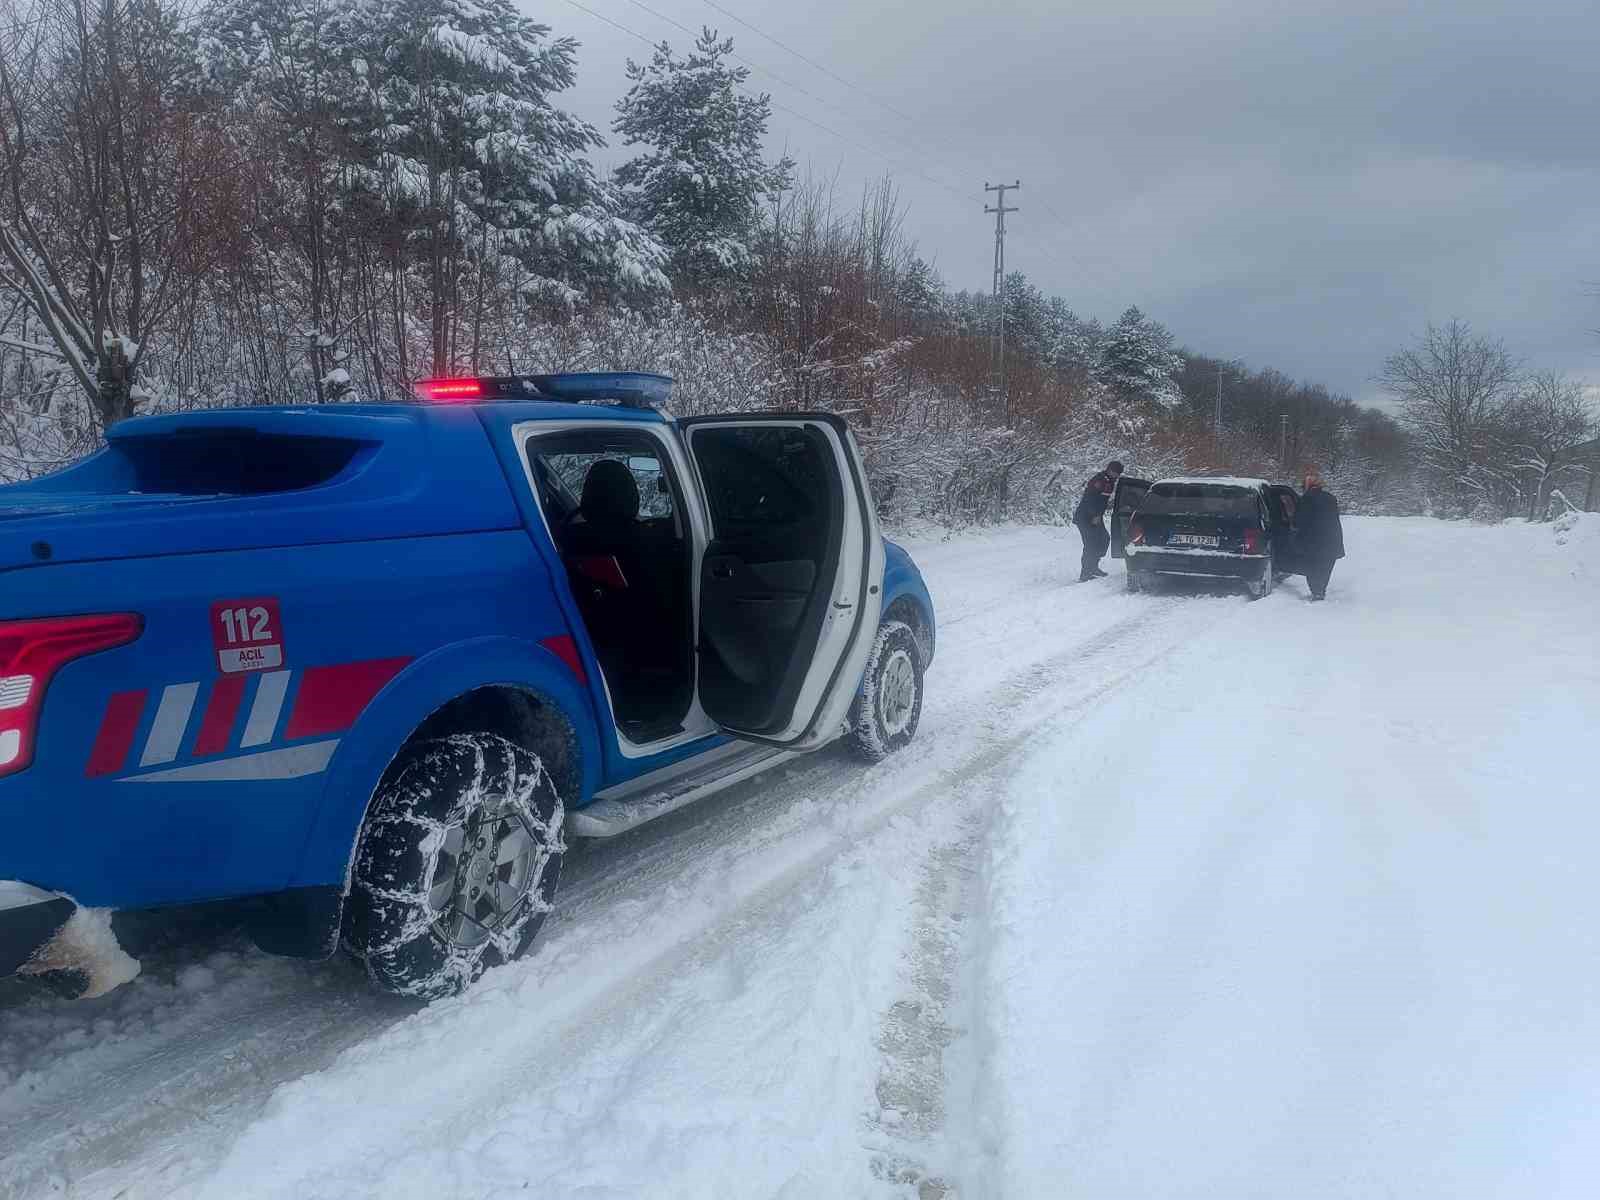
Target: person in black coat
(1089, 517)
(1319, 538)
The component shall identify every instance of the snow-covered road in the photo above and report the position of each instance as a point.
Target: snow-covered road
(1174, 895)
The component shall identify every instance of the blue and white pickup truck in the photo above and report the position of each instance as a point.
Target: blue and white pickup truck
(366, 668)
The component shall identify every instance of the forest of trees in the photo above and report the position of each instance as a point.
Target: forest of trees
(1491, 438)
(280, 201)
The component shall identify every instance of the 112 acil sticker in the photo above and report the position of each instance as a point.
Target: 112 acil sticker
(248, 634)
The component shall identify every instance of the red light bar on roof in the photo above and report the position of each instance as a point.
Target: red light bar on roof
(630, 389)
(450, 389)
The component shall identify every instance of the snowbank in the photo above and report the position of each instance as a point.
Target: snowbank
(1578, 533)
(1340, 951)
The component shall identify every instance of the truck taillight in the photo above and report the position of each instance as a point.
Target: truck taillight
(1136, 534)
(1252, 541)
(30, 654)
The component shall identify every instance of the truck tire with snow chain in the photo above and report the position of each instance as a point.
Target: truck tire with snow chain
(884, 717)
(456, 866)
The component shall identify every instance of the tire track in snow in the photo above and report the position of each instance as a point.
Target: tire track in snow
(925, 1040)
(917, 1031)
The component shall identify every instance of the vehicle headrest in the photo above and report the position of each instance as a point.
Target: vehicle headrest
(610, 495)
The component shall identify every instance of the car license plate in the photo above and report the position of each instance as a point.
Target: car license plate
(1193, 539)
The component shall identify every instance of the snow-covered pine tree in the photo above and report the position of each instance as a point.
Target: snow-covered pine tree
(491, 168)
(923, 299)
(1027, 317)
(972, 313)
(288, 70)
(1073, 346)
(1137, 361)
(445, 138)
(699, 183)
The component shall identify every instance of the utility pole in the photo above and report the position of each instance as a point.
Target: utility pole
(1216, 428)
(999, 352)
(1283, 441)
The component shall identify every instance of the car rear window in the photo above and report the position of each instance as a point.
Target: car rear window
(233, 462)
(1194, 498)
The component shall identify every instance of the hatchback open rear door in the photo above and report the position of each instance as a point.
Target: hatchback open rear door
(791, 584)
(1125, 498)
(1284, 500)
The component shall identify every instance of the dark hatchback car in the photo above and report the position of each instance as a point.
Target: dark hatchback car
(1209, 527)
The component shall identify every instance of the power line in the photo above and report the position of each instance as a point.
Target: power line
(922, 175)
(1066, 228)
(811, 62)
(755, 66)
(614, 24)
(923, 145)
(799, 116)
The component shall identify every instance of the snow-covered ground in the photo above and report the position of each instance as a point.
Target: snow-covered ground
(1175, 895)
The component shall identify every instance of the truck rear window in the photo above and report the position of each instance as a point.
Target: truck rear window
(1180, 499)
(233, 462)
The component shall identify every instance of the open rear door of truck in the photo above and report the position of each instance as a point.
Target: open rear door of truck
(791, 584)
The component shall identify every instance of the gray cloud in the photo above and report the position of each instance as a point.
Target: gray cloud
(1302, 184)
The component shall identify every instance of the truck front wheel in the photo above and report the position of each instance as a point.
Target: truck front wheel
(457, 864)
(884, 716)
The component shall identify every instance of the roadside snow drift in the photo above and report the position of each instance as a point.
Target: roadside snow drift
(1311, 913)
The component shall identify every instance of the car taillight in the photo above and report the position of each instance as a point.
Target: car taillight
(450, 389)
(1136, 534)
(1252, 541)
(30, 654)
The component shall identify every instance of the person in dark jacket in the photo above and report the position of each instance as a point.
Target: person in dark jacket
(1319, 538)
(1089, 517)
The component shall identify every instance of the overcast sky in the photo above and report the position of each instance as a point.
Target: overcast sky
(1300, 184)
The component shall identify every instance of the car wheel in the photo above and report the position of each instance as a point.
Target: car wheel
(457, 864)
(884, 717)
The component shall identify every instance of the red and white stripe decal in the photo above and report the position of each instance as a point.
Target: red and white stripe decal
(286, 762)
(328, 700)
(172, 719)
(331, 698)
(115, 739)
(222, 711)
(263, 720)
